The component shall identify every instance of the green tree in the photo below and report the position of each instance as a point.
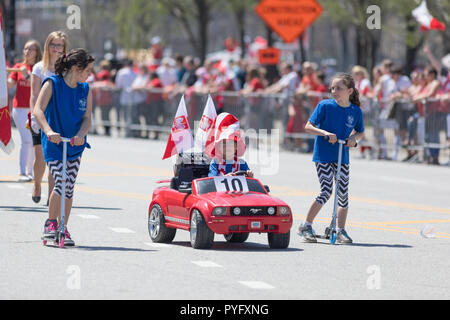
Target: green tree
(240, 9)
(194, 17)
(134, 20)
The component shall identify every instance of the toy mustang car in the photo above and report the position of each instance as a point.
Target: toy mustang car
(230, 205)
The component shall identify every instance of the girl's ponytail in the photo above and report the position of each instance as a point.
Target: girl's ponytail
(354, 98)
(76, 57)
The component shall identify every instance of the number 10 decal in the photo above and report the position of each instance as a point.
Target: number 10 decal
(231, 184)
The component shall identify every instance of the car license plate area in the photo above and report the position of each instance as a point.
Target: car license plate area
(255, 225)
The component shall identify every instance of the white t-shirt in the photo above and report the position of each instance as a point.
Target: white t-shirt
(124, 81)
(402, 84)
(289, 81)
(168, 76)
(140, 81)
(37, 70)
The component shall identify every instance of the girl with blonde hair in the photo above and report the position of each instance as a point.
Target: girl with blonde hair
(55, 46)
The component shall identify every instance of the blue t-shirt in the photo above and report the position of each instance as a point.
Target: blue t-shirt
(341, 121)
(214, 167)
(64, 114)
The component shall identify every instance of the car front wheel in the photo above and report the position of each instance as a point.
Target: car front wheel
(279, 240)
(201, 236)
(157, 226)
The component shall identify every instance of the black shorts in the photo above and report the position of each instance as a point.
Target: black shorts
(36, 138)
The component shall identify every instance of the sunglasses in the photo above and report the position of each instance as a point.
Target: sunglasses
(56, 46)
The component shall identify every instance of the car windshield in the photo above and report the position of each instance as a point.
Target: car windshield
(208, 185)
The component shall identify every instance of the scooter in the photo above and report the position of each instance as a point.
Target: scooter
(330, 232)
(60, 235)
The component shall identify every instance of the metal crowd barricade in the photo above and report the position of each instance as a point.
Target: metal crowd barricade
(390, 127)
(420, 129)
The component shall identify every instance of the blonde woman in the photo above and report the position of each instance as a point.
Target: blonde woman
(21, 105)
(55, 45)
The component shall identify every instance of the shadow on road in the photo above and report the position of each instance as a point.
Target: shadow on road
(247, 246)
(98, 248)
(95, 208)
(45, 209)
(370, 245)
(24, 209)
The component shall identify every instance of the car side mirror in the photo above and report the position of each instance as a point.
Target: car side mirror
(185, 188)
(266, 187)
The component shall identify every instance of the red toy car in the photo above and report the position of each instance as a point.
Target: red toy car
(230, 205)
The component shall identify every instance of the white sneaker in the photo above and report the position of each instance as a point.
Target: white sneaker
(24, 178)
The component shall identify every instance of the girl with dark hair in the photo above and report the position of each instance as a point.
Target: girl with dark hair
(333, 119)
(63, 109)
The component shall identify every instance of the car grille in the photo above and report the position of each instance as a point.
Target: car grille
(253, 211)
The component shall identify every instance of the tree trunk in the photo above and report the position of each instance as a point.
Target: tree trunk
(203, 21)
(411, 51)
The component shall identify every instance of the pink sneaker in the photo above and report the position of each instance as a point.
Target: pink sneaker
(67, 239)
(50, 229)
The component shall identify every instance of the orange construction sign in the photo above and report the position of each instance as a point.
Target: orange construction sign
(269, 56)
(289, 18)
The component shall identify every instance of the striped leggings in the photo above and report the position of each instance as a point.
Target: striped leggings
(56, 168)
(326, 172)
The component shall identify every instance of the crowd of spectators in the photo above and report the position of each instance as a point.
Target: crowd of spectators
(390, 98)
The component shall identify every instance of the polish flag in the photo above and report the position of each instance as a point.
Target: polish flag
(6, 142)
(180, 138)
(426, 20)
(206, 125)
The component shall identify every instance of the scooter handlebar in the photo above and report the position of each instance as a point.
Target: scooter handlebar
(344, 142)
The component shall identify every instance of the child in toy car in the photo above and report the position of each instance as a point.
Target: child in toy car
(227, 148)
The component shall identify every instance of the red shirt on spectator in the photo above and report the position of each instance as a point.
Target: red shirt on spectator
(23, 91)
(311, 82)
(256, 85)
(155, 83)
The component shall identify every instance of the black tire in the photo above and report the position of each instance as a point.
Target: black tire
(201, 236)
(157, 229)
(236, 237)
(279, 240)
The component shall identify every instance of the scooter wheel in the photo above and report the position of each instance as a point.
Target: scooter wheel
(61, 242)
(333, 238)
(327, 233)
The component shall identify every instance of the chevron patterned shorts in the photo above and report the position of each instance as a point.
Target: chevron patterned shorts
(56, 168)
(326, 172)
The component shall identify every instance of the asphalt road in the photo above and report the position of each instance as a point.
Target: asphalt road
(390, 203)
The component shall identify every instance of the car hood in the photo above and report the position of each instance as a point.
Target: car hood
(227, 199)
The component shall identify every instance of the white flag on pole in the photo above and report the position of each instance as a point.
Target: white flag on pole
(180, 138)
(206, 125)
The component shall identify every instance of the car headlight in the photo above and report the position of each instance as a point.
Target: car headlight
(237, 211)
(219, 211)
(284, 211)
(271, 210)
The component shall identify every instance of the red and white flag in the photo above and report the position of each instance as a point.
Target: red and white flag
(426, 20)
(6, 142)
(206, 125)
(180, 138)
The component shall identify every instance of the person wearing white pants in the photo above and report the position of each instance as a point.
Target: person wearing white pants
(21, 105)
(20, 116)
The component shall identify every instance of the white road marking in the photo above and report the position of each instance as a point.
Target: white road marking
(256, 284)
(122, 230)
(88, 216)
(15, 186)
(207, 264)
